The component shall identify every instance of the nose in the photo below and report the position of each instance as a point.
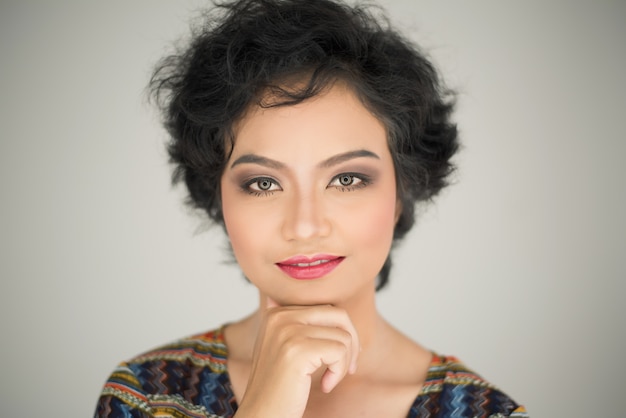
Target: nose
(305, 218)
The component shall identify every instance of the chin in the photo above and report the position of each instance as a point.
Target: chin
(325, 295)
(306, 301)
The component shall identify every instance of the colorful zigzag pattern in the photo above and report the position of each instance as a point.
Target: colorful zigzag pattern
(188, 379)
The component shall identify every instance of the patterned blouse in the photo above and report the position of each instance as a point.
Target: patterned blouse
(188, 379)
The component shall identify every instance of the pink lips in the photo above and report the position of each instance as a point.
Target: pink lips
(305, 268)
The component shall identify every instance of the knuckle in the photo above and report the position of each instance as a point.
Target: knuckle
(292, 347)
(286, 333)
(339, 346)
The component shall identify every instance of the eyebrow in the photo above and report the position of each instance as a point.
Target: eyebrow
(340, 158)
(257, 159)
(332, 161)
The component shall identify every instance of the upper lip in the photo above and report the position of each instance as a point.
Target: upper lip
(304, 261)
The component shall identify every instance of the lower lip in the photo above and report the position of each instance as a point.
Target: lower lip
(310, 272)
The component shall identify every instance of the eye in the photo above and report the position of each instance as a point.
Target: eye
(349, 181)
(261, 186)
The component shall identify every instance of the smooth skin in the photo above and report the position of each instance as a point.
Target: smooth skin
(303, 180)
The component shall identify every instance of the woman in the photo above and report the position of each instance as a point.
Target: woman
(309, 130)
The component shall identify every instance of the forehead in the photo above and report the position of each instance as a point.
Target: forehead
(334, 120)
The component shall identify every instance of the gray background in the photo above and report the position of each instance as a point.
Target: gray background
(518, 269)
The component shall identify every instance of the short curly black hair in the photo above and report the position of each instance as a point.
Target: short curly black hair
(247, 48)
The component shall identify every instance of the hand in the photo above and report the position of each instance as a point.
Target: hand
(293, 343)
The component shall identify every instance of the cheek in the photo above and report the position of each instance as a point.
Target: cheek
(372, 236)
(251, 228)
(242, 226)
(372, 226)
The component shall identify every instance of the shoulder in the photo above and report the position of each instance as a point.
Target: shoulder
(202, 350)
(453, 388)
(449, 370)
(188, 375)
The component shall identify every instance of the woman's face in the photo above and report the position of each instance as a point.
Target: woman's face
(309, 199)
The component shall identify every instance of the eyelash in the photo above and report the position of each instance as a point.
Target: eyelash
(246, 186)
(363, 182)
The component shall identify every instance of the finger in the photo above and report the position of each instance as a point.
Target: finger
(318, 316)
(336, 361)
(330, 380)
(328, 348)
(333, 317)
